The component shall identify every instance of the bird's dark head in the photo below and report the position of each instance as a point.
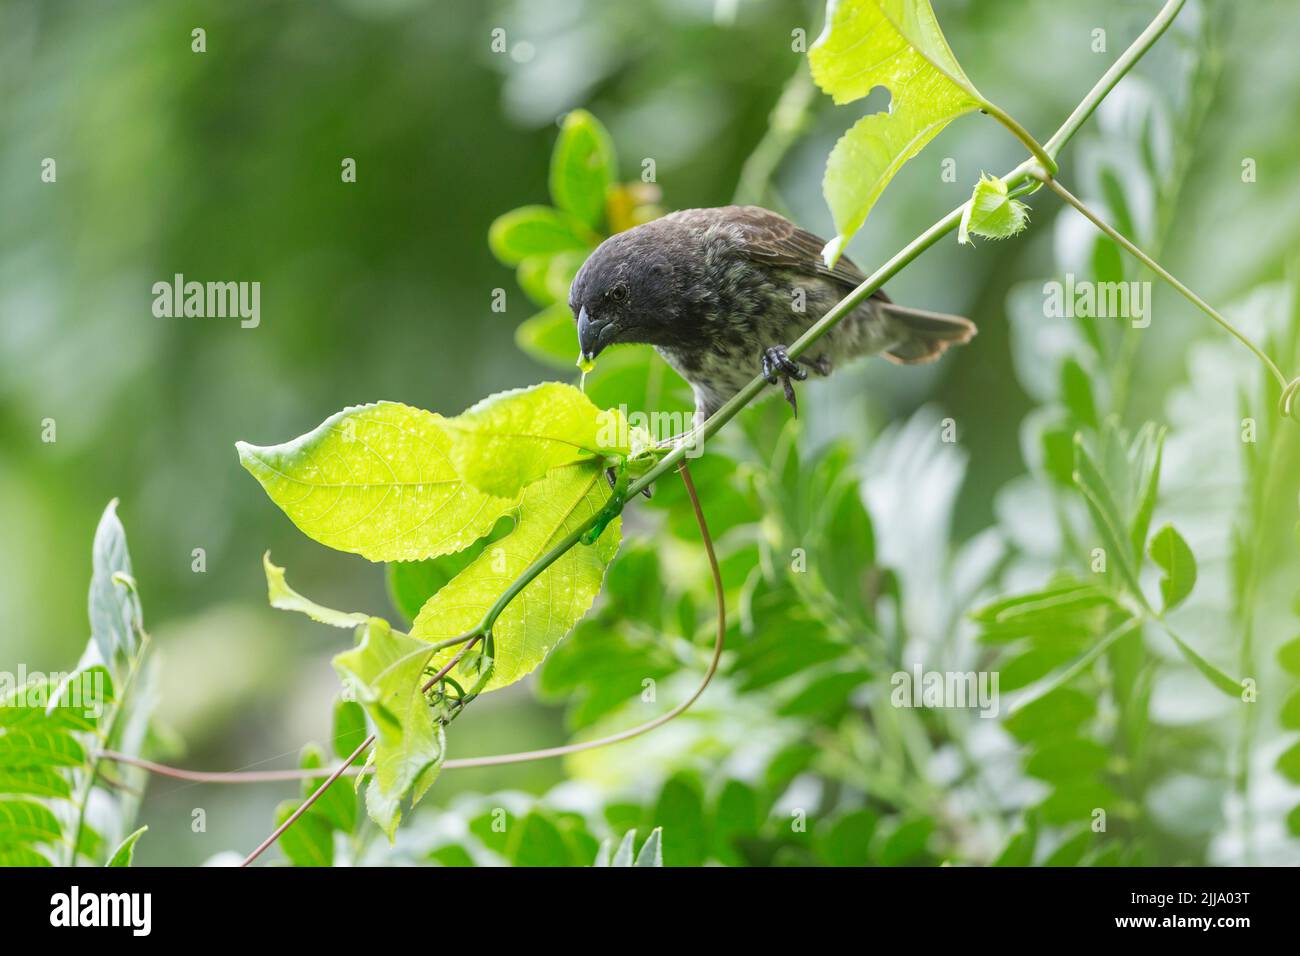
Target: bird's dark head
(624, 293)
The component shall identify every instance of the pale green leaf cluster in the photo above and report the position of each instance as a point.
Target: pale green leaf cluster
(50, 732)
(896, 44)
(991, 213)
(651, 855)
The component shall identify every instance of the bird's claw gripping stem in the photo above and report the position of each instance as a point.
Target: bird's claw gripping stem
(611, 475)
(778, 366)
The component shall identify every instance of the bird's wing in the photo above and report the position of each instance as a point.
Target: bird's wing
(775, 240)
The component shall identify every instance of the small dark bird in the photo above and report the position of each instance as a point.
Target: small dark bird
(721, 292)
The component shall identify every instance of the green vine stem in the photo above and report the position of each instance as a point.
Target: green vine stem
(1046, 159)
(1288, 388)
(1110, 79)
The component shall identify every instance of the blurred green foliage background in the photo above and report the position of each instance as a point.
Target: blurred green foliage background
(225, 165)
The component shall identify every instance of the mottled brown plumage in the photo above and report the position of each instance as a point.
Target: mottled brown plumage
(721, 292)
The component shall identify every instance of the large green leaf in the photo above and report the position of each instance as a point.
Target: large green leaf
(513, 438)
(375, 480)
(387, 670)
(554, 601)
(896, 44)
(582, 168)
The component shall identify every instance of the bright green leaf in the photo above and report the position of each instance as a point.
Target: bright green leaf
(513, 438)
(554, 601)
(1289, 715)
(412, 583)
(907, 843)
(37, 748)
(652, 850)
(848, 840)
(537, 231)
(338, 804)
(285, 598)
(24, 821)
(896, 44)
(1076, 392)
(22, 856)
(349, 727)
(582, 168)
(1067, 759)
(387, 669)
(1059, 713)
(375, 480)
(125, 851)
(1288, 655)
(991, 213)
(538, 842)
(1170, 551)
(680, 808)
(310, 841)
(1019, 850)
(1288, 764)
(37, 782)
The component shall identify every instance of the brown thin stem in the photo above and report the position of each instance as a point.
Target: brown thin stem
(306, 804)
(339, 771)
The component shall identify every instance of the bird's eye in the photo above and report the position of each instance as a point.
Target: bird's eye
(618, 293)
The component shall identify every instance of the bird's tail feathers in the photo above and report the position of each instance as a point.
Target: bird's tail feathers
(923, 336)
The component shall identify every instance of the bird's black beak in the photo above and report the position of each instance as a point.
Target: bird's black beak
(589, 330)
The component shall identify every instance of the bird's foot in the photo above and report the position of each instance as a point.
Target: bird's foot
(779, 367)
(611, 475)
